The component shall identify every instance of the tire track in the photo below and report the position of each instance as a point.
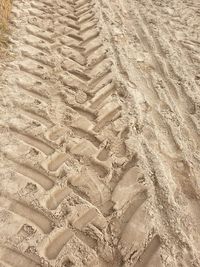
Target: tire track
(36, 65)
(65, 55)
(148, 30)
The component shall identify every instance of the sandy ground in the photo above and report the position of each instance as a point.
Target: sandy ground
(99, 134)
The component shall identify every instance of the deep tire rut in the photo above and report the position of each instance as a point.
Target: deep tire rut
(61, 55)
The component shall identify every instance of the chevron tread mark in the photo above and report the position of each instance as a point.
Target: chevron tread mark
(37, 177)
(31, 214)
(55, 247)
(69, 165)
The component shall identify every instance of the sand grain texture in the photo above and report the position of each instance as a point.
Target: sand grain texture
(99, 134)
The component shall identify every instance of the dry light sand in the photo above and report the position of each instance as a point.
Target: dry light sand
(99, 134)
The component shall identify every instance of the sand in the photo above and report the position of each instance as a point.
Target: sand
(99, 134)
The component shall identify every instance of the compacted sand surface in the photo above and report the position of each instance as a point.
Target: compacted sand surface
(99, 134)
